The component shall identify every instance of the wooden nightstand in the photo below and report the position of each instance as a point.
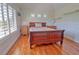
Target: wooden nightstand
(24, 30)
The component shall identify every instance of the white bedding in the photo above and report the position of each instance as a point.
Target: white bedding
(36, 29)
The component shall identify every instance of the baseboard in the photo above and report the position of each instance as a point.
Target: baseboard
(70, 38)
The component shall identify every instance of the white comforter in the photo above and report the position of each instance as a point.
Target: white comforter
(35, 29)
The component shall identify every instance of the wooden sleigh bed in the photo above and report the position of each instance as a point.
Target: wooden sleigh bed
(44, 35)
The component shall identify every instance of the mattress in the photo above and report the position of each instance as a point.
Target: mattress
(36, 29)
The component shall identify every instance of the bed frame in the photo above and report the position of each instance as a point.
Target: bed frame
(32, 24)
(45, 37)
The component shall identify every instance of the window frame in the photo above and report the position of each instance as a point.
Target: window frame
(5, 13)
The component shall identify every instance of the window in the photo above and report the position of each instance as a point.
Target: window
(14, 22)
(12, 18)
(1, 23)
(7, 20)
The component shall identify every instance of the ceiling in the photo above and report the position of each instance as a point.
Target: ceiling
(39, 5)
(42, 8)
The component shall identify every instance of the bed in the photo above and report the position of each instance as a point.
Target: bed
(43, 35)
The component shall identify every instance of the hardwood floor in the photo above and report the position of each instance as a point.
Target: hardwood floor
(21, 47)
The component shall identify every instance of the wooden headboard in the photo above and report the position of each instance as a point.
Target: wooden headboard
(33, 24)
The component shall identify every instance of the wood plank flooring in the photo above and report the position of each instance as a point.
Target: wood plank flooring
(21, 47)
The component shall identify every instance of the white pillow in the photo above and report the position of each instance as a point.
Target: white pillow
(38, 25)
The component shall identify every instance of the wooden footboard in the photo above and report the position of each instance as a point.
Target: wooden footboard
(45, 37)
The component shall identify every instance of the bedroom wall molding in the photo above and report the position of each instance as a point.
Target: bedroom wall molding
(68, 13)
(70, 38)
(72, 12)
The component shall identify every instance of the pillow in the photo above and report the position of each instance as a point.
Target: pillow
(38, 25)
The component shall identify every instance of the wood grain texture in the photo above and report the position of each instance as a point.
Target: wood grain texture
(22, 47)
(53, 27)
(46, 37)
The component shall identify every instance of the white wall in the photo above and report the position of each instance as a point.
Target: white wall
(69, 22)
(47, 20)
(26, 18)
(7, 42)
(38, 8)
